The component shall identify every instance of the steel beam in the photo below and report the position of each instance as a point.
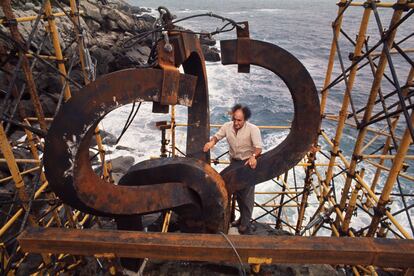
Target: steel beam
(215, 248)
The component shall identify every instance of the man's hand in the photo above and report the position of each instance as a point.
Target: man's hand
(252, 162)
(208, 146)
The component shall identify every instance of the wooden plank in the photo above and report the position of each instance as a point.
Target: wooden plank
(215, 248)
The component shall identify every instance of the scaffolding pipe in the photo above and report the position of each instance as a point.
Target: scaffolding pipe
(332, 53)
(392, 177)
(31, 85)
(370, 105)
(346, 99)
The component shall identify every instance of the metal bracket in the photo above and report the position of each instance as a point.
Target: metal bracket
(171, 77)
(243, 48)
(10, 22)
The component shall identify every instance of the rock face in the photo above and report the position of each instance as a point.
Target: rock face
(210, 53)
(105, 28)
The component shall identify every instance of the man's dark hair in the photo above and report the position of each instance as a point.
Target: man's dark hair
(246, 111)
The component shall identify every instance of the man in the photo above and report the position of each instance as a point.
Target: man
(245, 145)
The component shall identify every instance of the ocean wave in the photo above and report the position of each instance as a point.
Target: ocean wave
(191, 11)
(269, 10)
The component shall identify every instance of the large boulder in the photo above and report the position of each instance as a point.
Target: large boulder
(135, 57)
(106, 40)
(138, 10)
(124, 21)
(103, 58)
(93, 25)
(122, 164)
(144, 23)
(207, 40)
(91, 11)
(210, 53)
(49, 83)
(29, 6)
(49, 103)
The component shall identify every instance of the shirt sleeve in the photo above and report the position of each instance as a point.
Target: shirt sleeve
(221, 133)
(256, 137)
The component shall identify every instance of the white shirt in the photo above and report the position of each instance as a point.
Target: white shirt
(243, 143)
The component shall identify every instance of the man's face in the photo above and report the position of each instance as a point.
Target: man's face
(238, 119)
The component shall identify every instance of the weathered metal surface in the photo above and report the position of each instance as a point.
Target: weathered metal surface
(190, 56)
(208, 212)
(198, 195)
(306, 119)
(67, 164)
(170, 82)
(243, 48)
(215, 248)
(189, 186)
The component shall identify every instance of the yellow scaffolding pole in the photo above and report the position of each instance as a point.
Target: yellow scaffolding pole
(376, 85)
(332, 53)
(32, 18)
(370, 194)
(392, 177)
(394, 123)
(346, 99)
(56, 45)
(384, 4)
(106, 166)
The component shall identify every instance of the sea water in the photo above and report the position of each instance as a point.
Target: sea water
(303, 28)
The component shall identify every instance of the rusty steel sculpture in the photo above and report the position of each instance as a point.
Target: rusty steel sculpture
(189, 186)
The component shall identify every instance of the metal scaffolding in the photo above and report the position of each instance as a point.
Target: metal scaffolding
(339, 185)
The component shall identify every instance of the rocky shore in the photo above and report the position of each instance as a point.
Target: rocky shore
(105, 28)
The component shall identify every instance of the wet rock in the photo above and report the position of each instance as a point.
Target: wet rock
(49, 83)
(128, 58)
(111, 25)
(107, 138)
(136, 57)
(30, 265)
(93, 157)
(147, 17)
(91, 11)
(295, 270)
(77, 76)
(120, 5)
(17, 135)
(93, 25)
(28, 6)
(211, 53)
(261, 229)
(138, 10)
(28, 108)
(189, 268)
(49, 104)
(124, 148)
(207, 40)
(20, 153)
(122, 164)
(6, 190)
(103, 57)
(106, 40)
(124, 21)
(144, 23)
